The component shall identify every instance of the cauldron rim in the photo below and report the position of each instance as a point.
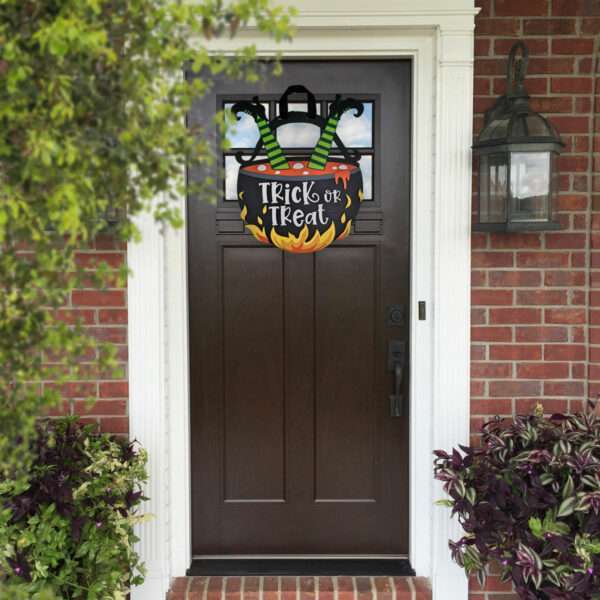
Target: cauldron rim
(336, 159)
(353, 168)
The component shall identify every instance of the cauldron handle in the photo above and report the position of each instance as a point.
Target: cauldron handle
(298, 89)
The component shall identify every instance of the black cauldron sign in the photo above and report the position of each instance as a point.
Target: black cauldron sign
(301, 204)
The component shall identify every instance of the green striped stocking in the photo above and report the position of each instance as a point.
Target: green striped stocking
(277, 159)
(318, 158)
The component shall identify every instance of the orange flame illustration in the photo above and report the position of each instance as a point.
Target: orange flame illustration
(346, 231)
(258, 233)
(301, 244)
(255, 230)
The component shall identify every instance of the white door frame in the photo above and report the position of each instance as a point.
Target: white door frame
(438, 36)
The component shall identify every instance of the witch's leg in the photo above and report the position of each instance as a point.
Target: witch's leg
(277, 159)
(318, 158)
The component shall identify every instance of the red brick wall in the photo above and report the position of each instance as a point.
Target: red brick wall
(104, 313)
(536, 314)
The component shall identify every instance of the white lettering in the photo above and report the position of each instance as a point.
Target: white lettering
(321, 213)
(298, 217)
(296, 199)
(264, 189)
(308, 194)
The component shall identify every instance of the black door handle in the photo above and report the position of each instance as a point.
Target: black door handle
(396, 351)
(396, 399)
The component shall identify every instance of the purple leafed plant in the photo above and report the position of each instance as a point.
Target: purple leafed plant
(67, 527)
(529, 498)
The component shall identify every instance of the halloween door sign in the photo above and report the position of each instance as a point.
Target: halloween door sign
(300, 204)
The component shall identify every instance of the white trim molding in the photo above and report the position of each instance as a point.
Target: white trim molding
(437, 35)
(452, 283)
(147, 396)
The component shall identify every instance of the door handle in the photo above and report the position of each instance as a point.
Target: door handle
(396, 351)
(396, 399)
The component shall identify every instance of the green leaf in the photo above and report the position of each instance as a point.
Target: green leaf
(446, 502)
(568, 488)
(567, 507)
(535, 525)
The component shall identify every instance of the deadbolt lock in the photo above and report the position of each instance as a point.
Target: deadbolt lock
(395, 315)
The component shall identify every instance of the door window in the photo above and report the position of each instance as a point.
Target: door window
(299, 139)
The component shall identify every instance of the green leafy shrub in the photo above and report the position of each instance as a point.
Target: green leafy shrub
(93, 110)
(92, 124)
(68, 527)
(529, 498)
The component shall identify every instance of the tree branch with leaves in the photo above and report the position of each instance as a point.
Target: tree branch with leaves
(92, 124)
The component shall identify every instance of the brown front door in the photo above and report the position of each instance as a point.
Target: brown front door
(294, 447)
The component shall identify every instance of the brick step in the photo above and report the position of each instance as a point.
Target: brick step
(300, 588)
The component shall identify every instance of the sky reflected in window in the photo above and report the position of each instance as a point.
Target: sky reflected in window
(366, 166)
(244, 133)
(357, 131)
(298, 135)
(231, 172)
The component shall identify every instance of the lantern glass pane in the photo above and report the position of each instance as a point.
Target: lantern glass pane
(530, 186)
(536, 126)
(496, 129)
(493, 186)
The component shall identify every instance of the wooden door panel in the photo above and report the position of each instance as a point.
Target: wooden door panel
(294, 450)
(253, 375)
(345, 307)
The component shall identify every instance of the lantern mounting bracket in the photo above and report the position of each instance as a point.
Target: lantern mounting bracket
(516, 70)
(516, 96)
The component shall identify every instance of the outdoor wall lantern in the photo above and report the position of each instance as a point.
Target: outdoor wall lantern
(517, 151)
